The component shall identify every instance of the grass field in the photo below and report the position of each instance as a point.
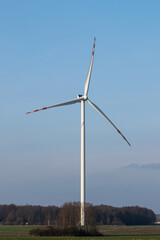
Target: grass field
(110, 233)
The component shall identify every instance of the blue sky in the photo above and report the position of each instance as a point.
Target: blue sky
(45, 51)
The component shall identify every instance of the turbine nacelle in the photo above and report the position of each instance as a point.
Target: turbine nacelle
(81, 97)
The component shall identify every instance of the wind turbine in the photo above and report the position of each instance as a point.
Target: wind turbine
(82, 99)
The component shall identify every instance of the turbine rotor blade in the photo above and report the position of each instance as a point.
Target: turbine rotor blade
(102, 113)
(58, 105)
(89, 72)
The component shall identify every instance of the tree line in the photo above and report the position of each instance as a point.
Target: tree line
(69, 215)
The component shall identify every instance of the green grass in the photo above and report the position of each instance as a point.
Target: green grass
(131, 237)
(132, 230)
(14, 231)
(111, 233)
(4, 228)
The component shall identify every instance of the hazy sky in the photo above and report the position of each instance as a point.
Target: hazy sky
(45, 49)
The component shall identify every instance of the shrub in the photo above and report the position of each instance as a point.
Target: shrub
(70, 231)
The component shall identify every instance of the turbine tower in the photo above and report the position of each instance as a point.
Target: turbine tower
(82, 99)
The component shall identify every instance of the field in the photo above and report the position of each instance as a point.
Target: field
(110, 233)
